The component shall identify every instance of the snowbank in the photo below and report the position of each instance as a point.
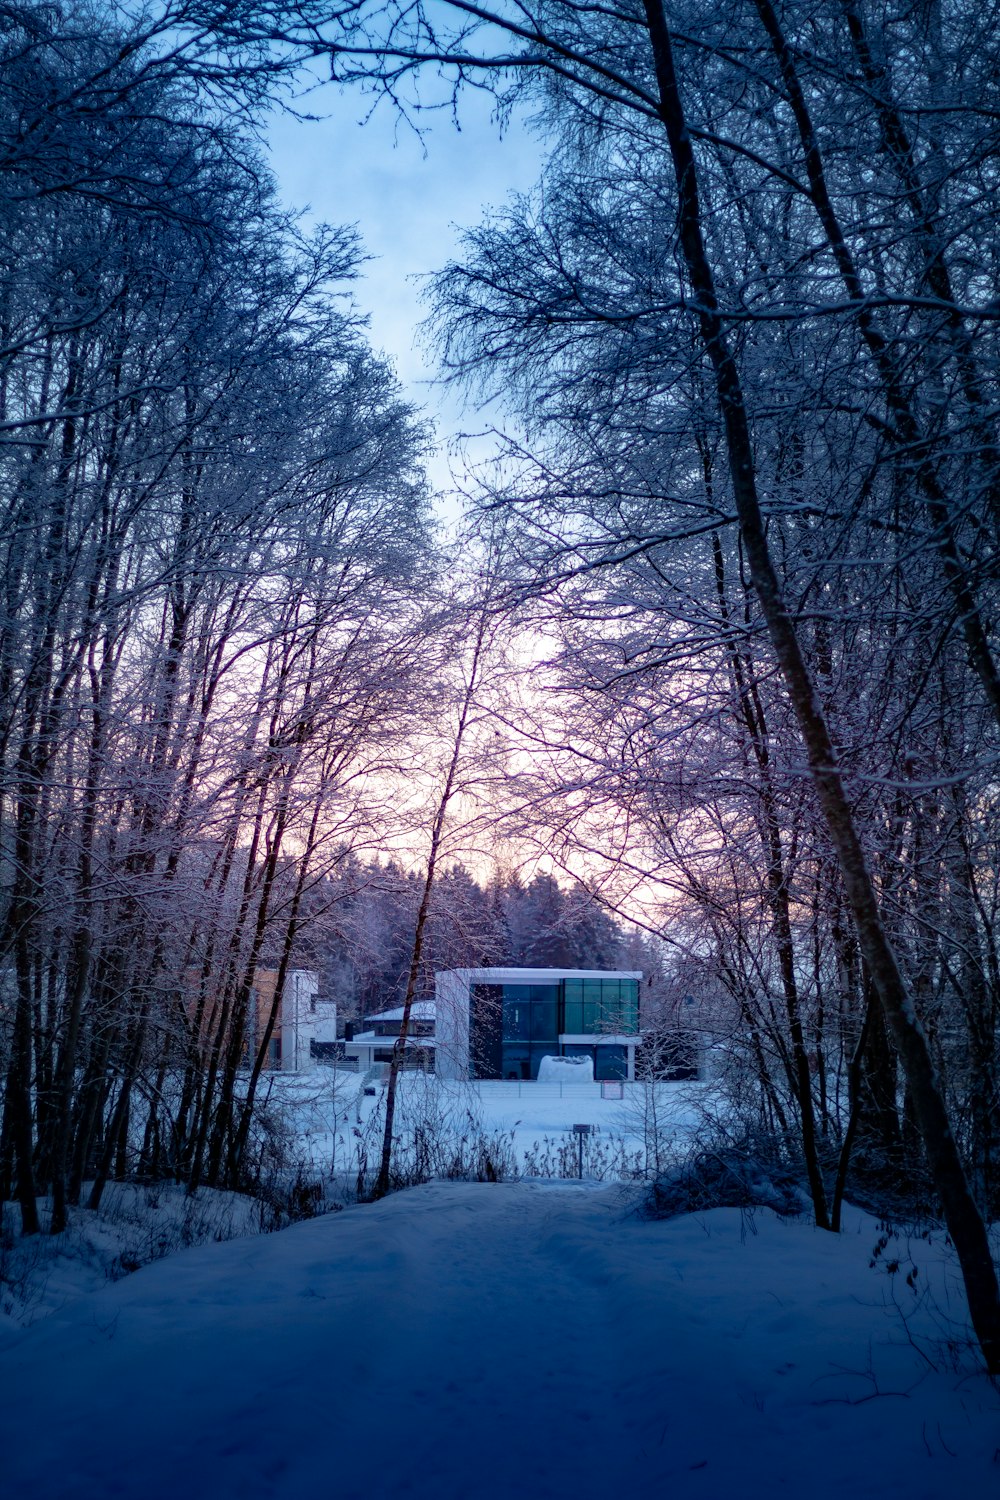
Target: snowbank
(134, 1226)
(476, 1342)
(566, 1070)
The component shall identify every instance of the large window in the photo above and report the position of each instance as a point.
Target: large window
(516, 1060)
(522, 1060)
(530, 1028)
(516, 1013)
(545, 1020)
(611, 1062)
(485, 1031)
(596, 1007)
(609, 1058)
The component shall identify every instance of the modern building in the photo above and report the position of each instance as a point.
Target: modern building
(376, 1043)
(500, 1023)
(305, 1028)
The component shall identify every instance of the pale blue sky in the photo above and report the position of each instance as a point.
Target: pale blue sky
(409, 200)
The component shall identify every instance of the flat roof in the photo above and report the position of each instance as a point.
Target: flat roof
(420, 1010)
(536, 976)
(372, 1039)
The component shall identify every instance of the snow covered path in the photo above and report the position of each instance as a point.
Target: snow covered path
(475, 1342)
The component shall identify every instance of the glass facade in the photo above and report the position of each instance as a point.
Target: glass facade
(601, 1006)
(513, 1026)
(610, 1061)
(485, 1031)
(530, 1028)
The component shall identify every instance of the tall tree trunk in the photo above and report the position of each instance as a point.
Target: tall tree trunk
(778, 901)
(965, 1223)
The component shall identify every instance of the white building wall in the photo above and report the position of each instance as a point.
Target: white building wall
(325, 1028)
(299, 1020)
(451, 990)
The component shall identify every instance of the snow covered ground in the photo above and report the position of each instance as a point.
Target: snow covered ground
(335, 1119)
(537, 1340)
(531, 1340)
(134, 1226)
(328, 1123)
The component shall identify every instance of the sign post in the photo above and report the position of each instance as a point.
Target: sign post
(580, 1131)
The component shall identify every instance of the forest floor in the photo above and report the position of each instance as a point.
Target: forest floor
(514, 1341)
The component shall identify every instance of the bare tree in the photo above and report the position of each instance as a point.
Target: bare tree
(212, 554)
(466, 778)
(618, 73)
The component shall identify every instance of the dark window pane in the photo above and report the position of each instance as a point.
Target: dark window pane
(549, 993)
(516, 1061)
(619, 1006)
(573, 1018)
(544, 1020)
(516, 1020)
(591, 1016)
(537, 1053)
(623, 1011)
(610, 1005)
(612, 1062)
(485, 1031)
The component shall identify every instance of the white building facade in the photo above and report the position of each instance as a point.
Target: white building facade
(375, 1045)
(305, 1026)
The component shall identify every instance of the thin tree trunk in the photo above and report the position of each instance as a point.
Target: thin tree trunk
(855, 1075)
(909, 434)
(437, 835)
(116, 1140)
(779, 904)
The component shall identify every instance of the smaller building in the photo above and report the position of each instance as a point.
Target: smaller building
(377, 1042)
(305, 1028)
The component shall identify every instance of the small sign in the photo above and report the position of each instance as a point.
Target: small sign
(580, 1131)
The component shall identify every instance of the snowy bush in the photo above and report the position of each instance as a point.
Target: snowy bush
(133, 1227)
(726, 1177)
(438, 1134)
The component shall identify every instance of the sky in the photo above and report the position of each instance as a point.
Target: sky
(410, 198)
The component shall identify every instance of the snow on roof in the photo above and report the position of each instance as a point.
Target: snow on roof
(420, 1010)
(536, 976)
(372, 1039)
